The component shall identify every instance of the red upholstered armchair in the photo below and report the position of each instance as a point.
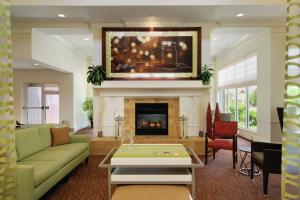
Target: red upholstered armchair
(224, 136)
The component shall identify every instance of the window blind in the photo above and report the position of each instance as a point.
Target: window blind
(239, 73)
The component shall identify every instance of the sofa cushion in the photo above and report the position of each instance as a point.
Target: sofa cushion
(60, 136)
(258, 156)
(45, 135)
(62, 157)
(74, 147)
(28, 142)
(42, 170)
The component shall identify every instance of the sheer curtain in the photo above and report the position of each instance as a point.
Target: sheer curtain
(7, 142)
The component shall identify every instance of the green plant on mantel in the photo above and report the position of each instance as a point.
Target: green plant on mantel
(88, 107)
(207, 72)
(95, 74)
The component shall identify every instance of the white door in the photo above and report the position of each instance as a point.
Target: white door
(41, 103)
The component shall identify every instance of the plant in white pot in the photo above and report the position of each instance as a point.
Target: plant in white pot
(207, 72)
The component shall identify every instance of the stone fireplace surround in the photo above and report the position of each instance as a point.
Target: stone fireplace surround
(188, 97)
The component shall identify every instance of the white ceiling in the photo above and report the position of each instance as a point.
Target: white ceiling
(223, 39)
(80, 39)
(27, 64)
(222, 14)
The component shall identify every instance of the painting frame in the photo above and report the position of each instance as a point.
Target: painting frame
(196, 53)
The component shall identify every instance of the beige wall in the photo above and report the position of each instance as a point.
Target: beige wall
(65, 81)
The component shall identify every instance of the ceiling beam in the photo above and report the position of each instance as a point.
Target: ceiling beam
(143, 3)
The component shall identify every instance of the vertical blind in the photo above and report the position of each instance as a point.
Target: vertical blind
(242, 72)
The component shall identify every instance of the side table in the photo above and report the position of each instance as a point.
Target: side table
(245, 168)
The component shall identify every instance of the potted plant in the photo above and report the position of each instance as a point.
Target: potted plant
(95, 74)
(88, 107)
(207, 72)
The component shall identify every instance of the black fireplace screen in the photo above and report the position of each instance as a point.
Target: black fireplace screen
(151, 119)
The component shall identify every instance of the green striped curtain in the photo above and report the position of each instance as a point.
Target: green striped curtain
(7, 141)
(290, 189)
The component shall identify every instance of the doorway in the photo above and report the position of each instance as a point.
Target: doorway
(41, 103)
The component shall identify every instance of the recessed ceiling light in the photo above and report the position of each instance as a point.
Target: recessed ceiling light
(240, 15)
(36, 64)
(61, 15)
(86, 39)
(215, 38)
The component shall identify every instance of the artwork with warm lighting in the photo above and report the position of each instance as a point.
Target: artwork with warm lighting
(170, 53)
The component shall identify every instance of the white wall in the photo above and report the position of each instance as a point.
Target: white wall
(64, 80)
(34, 46)
(57, 55)
(270, 47)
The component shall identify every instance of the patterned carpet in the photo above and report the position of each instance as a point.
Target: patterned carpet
(216, 181)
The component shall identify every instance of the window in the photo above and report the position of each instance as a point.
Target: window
(34, 103)
(252, 111)
(242, 107)
(231, 95)
(237, 91)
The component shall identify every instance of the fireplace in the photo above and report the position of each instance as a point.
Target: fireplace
(151, 119)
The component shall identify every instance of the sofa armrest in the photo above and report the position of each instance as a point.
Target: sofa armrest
(261, 146)
(79, 139)
(272, 160)
(25, 182)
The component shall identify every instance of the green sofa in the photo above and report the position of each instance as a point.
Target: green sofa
(39, 165)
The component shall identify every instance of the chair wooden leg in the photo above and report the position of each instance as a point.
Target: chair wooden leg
(265, 181)
(233, 152)
(252, 170)
(206, 152)
(233, 158)
(236, 154)
(214, 153)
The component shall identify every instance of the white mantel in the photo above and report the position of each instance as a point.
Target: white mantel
(109, 98)
(186, 84)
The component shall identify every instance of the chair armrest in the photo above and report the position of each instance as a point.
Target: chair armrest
(261, 146)
(272, 160)
(25, 182)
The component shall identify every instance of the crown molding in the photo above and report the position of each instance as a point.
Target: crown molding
(143, 3)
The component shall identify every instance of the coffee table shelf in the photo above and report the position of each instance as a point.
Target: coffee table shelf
(170, 164)
(146, 175)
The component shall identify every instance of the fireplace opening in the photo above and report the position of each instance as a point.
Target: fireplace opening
(151, 119)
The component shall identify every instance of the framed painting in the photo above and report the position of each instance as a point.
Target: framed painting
(151, 53)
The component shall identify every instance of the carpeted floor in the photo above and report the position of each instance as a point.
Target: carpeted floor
(216, 181)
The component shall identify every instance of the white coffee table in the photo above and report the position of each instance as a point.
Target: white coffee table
(151, 164)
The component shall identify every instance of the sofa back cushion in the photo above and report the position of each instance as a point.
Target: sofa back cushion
(45, 135)
(60, 136)
(28, 142)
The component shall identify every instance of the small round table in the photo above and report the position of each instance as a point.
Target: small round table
(245, 168)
